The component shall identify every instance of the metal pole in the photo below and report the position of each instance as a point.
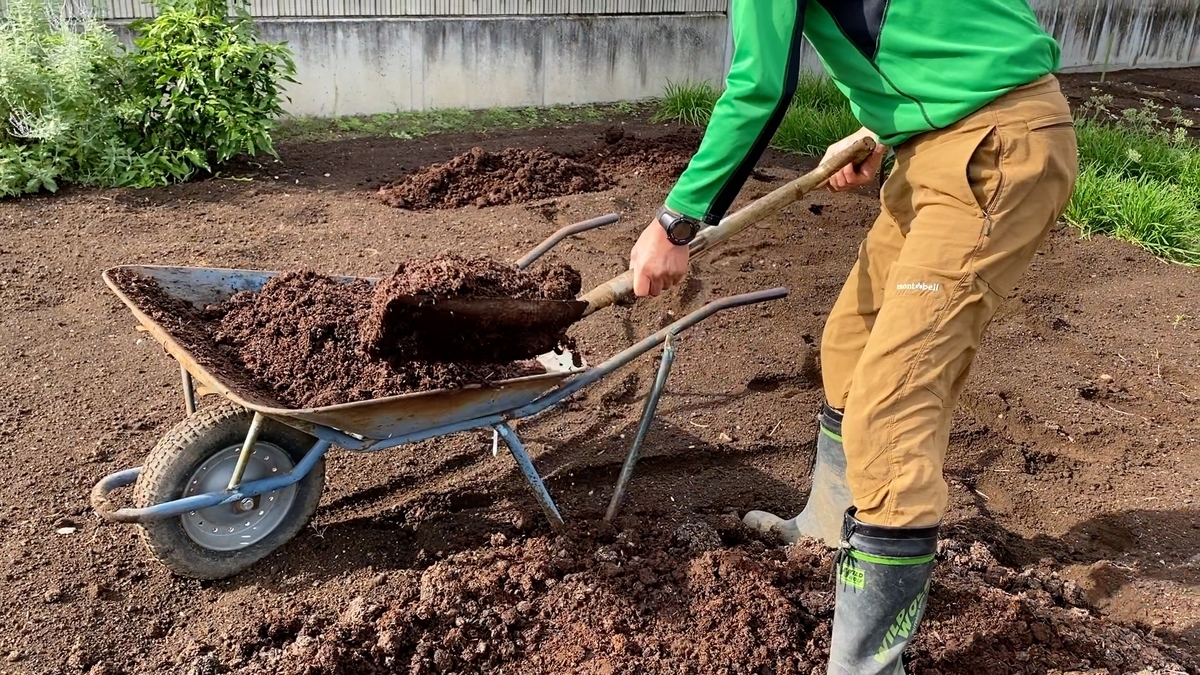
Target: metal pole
(189, 392)
(247, 448)
(563, 233)
(660, 382)
(531, 475)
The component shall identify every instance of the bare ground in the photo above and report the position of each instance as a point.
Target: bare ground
(1073, 457)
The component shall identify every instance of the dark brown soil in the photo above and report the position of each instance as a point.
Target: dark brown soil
(700, 597)
(298, 341)
(1073, 450)
(657, 159)
(1168, 89)
(397, 327)
(511, 176)
(482, 178)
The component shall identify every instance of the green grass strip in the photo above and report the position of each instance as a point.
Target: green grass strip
(414, 124)
(818, 116)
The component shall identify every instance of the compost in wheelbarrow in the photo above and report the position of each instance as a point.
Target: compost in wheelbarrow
(438, 309)
(297, 337)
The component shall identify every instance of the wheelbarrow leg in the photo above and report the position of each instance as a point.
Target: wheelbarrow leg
(531, 475)
(239, 469)
(660, 381)
(189, 391)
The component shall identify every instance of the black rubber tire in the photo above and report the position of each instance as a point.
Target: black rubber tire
(181, 452)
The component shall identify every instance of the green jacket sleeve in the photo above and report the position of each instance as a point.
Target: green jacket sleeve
(762, 77)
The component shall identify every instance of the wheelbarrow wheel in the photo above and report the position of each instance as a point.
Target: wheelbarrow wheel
(197, 456)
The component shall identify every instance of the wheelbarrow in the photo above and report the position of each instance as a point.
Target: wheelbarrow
(233, 482)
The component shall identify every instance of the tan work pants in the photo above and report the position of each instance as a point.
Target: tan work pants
(964, 211)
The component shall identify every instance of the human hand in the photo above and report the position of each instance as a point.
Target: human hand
(657, 264)
(852, 176)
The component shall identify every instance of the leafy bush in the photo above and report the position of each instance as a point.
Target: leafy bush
(57, 77)
(203, 88)
(74, 107)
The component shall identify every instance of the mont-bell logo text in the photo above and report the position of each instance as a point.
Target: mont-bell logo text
(920, 286)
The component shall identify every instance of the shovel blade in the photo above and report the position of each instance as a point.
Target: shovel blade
(470, 329)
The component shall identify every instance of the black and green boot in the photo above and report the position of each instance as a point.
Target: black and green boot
(882, 587)
(829, 497)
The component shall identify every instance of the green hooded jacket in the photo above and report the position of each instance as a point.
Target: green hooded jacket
(907, 66)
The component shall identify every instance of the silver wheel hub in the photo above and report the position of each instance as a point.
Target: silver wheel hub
(246, 521)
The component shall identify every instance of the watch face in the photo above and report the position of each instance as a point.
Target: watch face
(682, 231)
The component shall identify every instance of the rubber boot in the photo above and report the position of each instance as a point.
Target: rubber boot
(882, 588)
(829, 497)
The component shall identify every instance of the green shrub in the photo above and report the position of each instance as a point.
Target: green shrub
(75, 108)
(203, 89)
(58, 78)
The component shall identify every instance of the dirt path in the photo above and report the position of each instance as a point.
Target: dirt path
(1073, 457)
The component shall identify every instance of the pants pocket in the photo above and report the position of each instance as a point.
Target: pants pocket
(951, 166)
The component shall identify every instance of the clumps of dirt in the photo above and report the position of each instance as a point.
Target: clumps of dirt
(705, 597)
(660, 160)
(190, 326)
(483, 178)
(513, 175)
(397, 328)
(299, 340)
(299, 336)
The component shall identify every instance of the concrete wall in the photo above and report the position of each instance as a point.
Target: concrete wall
(1123, 33)
(360, 66)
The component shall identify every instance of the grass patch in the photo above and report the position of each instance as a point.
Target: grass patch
(1156, 215)
(1139, 180)
(818, 116)
(687, 103)
(423, 123)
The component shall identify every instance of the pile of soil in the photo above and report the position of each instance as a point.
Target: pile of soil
(300, 339)
(483, 178)
(659, 160)
(511, 176)
(395, 328)
(705, 596)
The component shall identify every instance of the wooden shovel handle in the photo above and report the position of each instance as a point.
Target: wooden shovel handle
(613, 290)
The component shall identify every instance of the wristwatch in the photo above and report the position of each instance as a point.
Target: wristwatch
(681, 229)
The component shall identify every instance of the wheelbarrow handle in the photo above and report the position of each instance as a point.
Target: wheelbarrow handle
(552, 241)
(613, 290)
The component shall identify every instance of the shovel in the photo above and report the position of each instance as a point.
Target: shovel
(504, 329)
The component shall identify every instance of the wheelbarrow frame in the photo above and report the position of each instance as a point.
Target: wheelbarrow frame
(477, 407)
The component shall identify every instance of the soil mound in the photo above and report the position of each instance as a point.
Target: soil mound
(482, 178)
(705, 597)
(511, 176)
(394, 328)
(660, 160)
(300, 337)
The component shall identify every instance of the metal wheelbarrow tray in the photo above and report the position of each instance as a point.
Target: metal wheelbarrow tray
(231, 483)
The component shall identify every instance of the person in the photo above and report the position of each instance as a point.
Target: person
(964, 94)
